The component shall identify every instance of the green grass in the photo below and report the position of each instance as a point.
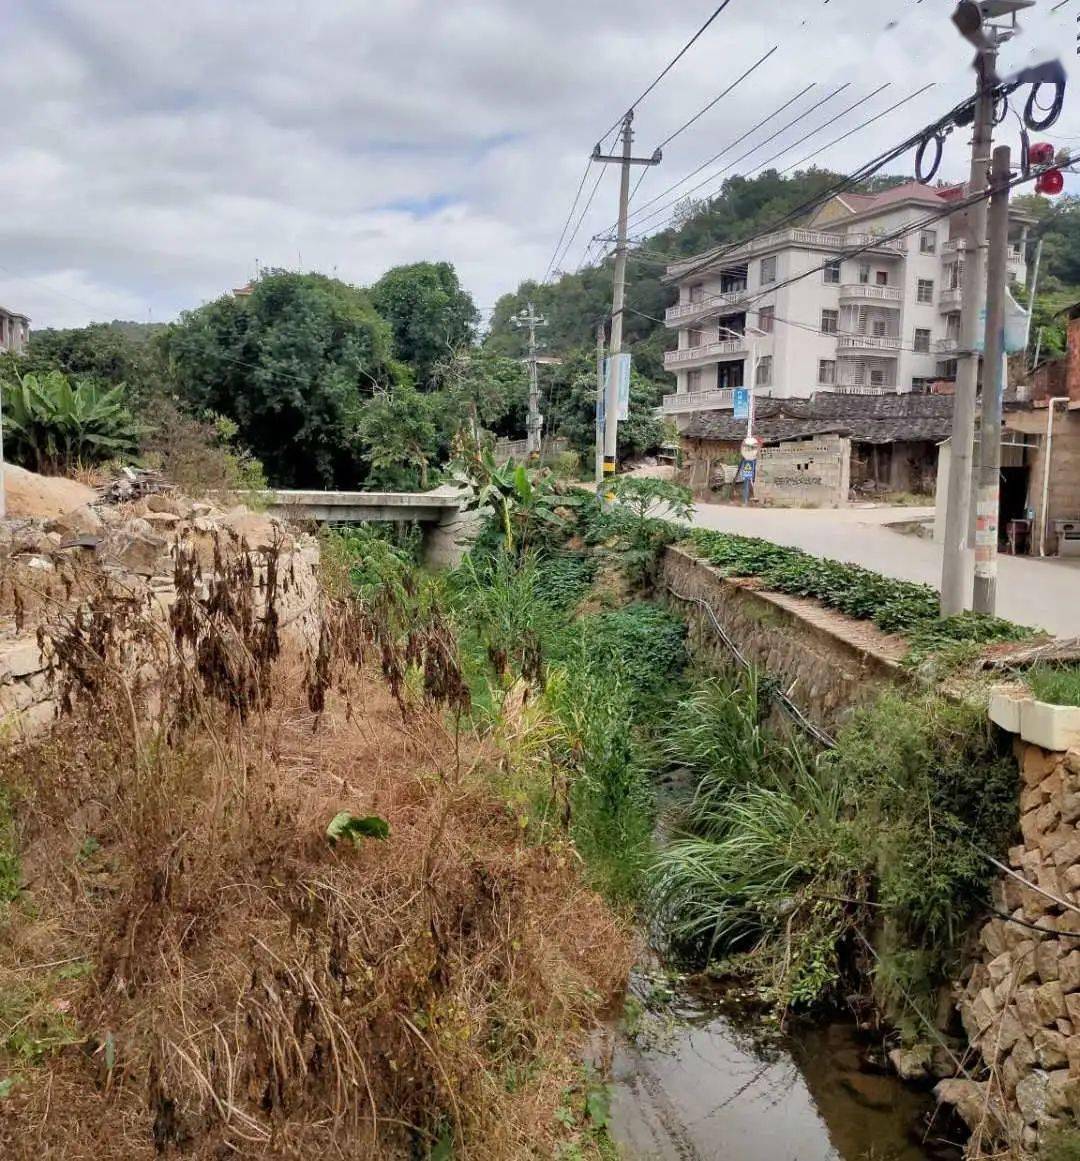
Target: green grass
(1058, 684)
(10, 869)
(895, 606)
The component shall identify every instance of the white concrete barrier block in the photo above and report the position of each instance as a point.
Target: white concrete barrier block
(1005, 706)
(1054, 727)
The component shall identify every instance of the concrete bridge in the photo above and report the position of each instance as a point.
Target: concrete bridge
(446, 525)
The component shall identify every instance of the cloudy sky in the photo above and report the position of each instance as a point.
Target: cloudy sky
(153, 151)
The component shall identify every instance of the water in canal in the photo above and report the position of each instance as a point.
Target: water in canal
(694, 1085)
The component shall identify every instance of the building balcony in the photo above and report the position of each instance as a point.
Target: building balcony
(946, 346)
(950, 300)
(685, 402)
(706, 353)
(955, 246)
(780, 239)
(862, 389)
(863, 292)
(850, 342)
(710, 306)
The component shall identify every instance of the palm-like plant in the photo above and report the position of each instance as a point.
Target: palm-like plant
(54, 426)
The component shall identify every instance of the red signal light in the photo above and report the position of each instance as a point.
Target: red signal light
(1050, 182)
(1041, 153)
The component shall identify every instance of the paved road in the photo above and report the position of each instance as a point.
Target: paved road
(1044, 593)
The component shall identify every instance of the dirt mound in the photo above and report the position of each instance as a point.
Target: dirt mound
(44, 497)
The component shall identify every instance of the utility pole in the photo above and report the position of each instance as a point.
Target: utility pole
(988, 496)
(600, 343)
(954, 569)
(611, 400)
(532, 320)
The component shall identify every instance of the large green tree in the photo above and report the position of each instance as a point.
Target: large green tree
(429, 314)
(292, 364)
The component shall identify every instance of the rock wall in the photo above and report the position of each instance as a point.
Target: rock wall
(47, 567)
(828, 663)
(1020, 1004)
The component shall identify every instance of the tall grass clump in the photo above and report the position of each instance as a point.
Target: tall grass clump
(789, 860)
(1057, 684)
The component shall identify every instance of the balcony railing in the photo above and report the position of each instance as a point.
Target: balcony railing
(711, 304)
(718, 399)
(955, 246)
(951, 299)
(705, 353)
(946, 346)
(869, 291)
(863, 389)
(868, 343)
(818, 239)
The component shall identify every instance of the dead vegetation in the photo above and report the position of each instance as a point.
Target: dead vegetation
(192, 967)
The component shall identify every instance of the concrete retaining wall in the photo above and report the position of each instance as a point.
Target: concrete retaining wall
(828, 663)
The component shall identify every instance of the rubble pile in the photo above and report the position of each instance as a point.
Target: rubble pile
(48, 565)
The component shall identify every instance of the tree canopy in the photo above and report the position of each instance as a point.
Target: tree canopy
(430, 315)
(292, 365)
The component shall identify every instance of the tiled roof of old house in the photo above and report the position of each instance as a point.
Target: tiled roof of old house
(866, 418)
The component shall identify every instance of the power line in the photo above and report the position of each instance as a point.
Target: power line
(716, 157)
(858, 128)
(669, 66)
(712, 176)
(566, 224)
(716, 100)
(577, 228)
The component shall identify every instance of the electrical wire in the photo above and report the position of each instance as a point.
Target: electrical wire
(577, 228)
(858, 128)
(716, 100)
(716, 157)
(712, 176)
(566, 224)
(670, 65)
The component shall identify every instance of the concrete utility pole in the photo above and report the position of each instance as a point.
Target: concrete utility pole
(532, 320)
(611, 400)
(954, 570)
(989, 492)
(600, 344)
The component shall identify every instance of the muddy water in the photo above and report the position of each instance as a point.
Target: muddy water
(693, 1086)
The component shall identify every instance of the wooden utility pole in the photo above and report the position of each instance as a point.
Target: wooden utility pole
(954, 567)
(532, 320)
(611, 400)
(988, 496)
(600, 345)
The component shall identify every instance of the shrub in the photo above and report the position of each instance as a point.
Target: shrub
(53, 427)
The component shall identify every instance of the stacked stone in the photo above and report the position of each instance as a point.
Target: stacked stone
(1021, 1005)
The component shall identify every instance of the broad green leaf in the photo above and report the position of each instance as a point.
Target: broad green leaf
(348, 826)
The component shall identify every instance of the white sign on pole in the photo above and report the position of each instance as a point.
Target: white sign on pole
(619, 365)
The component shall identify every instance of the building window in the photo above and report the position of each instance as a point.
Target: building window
(925, 290)
(693, 380)
(697, 293)
(882, 278)
(764, 371)
(928, 242)
(922, 340)
(768, 270)
(920, 386)
(729, 375)
(695, 337)
(826, 372)
(947, 369)
(830, 322)
(832, 272)
(864, 274)
(877, 377)
(879, 328)
(766, 319)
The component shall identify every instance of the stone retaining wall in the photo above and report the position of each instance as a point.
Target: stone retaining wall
(828, 663)
(1020, 1005)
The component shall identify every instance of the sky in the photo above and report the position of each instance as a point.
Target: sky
(152, 153)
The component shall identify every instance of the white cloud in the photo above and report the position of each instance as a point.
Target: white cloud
(159, 149)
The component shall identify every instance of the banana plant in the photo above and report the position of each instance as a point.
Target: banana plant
(54, 426)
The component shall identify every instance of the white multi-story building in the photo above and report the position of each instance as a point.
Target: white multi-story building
(884, 322)
(14, 331)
